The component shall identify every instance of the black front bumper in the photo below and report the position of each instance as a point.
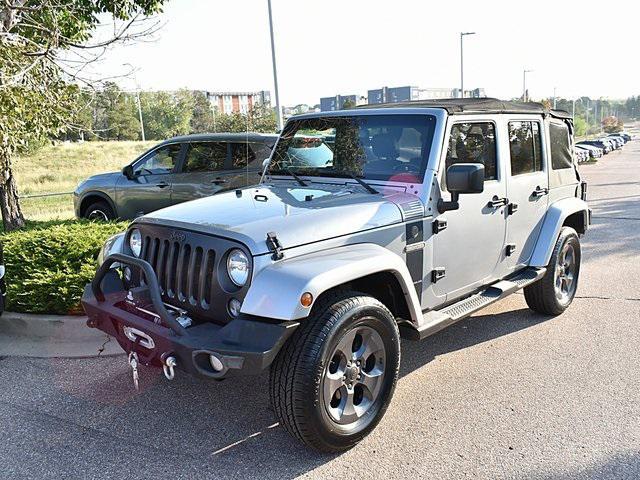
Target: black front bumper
(244, 345)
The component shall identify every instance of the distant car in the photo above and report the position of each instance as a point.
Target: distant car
(606, 145)
(592, 150)
(174, 171)
(581, 155)
(619, 139)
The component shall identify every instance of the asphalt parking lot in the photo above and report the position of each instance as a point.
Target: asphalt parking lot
(504, 394)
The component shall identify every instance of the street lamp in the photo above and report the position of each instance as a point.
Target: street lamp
(275, 73)
(462, 35)
(135, 79)
(524, 84)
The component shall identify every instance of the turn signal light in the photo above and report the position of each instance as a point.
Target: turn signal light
(306, 299)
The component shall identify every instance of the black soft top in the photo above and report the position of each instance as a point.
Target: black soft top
(476, 105)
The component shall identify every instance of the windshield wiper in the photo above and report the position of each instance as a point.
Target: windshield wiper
(366, 186)
(296, 177)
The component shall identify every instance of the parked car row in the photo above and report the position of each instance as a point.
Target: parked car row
(593, 149)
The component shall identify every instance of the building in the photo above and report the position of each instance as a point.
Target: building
(238, 102)
(392, 95)
(328, 104)
(475, 93)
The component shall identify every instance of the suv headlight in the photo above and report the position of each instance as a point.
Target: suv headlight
(135, 242)
(238, 267)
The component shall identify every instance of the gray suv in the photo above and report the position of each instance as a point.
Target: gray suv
(413, 217)
(174, 171)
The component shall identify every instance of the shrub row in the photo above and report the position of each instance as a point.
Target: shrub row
(49, 263)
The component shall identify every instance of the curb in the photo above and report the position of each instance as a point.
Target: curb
(52, 336)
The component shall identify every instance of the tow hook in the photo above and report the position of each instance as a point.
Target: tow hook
(168, 364)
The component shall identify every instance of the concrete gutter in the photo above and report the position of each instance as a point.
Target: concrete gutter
(50, 336)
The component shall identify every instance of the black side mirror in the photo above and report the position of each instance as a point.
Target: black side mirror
(128, 172)
(462, 178)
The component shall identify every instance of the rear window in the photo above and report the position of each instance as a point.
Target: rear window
(560, 146)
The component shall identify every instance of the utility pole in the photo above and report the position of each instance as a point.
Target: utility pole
(462, 35)
(275, 70)
(524, 84)
(554, 98)
(135, 79)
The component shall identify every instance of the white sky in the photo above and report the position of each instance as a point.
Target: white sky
(350, 46)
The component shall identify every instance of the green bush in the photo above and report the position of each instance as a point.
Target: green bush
(49, 263)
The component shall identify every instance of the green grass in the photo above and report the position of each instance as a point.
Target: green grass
(59, 168)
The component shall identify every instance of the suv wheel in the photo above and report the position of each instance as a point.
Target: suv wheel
(553, 293)
(333, 380)
(99, 211)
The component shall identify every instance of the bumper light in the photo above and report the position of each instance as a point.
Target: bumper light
(234, 307)
(216, 363)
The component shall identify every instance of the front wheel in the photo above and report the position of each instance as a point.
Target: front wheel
(333, 380)
(553, 293)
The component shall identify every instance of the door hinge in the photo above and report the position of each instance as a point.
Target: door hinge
(438, 225)
(511, 247)
(512, 208)
(437, 274)
(274, 245)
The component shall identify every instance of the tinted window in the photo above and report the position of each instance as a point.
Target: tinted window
(473, 143)
(524, 146)
(205, 157)
(159, 161)
(246, 153)
(560, 146)
(379, 147)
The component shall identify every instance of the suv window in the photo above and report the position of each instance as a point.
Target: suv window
(474, 142)
(245, 153)
(560, 146)
(160, 161)
(525, 147)
(205, 157)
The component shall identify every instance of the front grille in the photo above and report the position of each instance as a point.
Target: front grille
(191, 270)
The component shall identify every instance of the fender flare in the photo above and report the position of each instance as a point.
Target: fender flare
(102, 195)
(556, 215)
(275, 290)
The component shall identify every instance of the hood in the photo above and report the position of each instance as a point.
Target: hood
(297, 215)
(102, 179)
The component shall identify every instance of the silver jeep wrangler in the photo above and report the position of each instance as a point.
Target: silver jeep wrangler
(368, 224)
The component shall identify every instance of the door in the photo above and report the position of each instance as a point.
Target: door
(527, 189)
(202, 173)
(468, 252)
(150, 187)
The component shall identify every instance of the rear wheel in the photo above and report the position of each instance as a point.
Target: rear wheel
(333, 380)
(99, 211)
(553, 293)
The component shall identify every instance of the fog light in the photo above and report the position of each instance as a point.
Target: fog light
(234, 307)
(306, 299)
(216, 363)
(127, 274)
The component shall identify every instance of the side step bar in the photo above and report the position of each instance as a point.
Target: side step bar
(435, 320)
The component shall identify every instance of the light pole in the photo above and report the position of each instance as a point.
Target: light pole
(524, 84)
(135, 79)
(554, 98)
(462, 35)
(275, 72)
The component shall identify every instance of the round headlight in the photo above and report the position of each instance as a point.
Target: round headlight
(238, 267)
(135, 242)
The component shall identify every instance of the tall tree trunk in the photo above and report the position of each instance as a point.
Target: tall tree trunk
(12, 217)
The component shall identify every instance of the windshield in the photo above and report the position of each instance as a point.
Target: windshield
(375, 147)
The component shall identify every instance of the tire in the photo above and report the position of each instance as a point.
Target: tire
(312, 363)
(100, 211)
(545, 296)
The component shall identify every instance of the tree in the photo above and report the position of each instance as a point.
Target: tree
(38, 85)
(166, 114)
(611, 124)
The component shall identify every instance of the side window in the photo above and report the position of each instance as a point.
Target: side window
(243, 154)
(525, 147)
(159, 161)
(560, 146)
(205, 157)
(474, 143)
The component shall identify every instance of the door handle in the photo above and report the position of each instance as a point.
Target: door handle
(218, 181)
(496, 202)
(162, 185)
(540, 192)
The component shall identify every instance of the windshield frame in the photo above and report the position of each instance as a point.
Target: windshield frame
(428, 156)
